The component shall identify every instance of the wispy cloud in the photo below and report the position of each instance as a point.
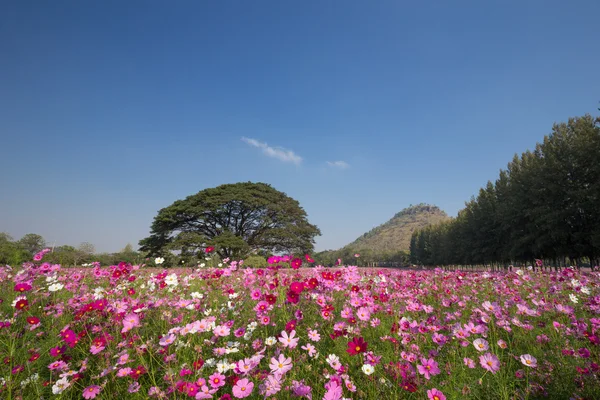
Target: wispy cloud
(276, 152)
(338, 164)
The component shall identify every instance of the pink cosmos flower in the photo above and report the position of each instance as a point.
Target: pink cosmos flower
(167, 340)
(271, 386)
(363, 314)
(312, 351)
(243, 388)
(334, 391)
(130, 321)
(91, 392)
(435, 394)
(428, 368)
(216, 380)
(490, 362)
(134, 387)
(123, 372)
(280, 366)
(481, 344)
(222, 330)
(529, 360)
(205, 393)
(58, 365)
(245, 366)
(314, 335)
(469, 362)
(289, 341)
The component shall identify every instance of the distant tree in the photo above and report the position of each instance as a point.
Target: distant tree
(11, 253)
(236, 219)
(32, 243)
(64, 255)
(127, 249)
(86, 248)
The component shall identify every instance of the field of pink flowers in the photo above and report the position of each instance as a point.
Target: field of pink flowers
(290, 333)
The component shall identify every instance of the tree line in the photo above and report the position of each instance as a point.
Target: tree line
(16, 252)
(544, 206)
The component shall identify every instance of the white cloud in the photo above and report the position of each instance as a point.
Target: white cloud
(338, 164)
(276, 152)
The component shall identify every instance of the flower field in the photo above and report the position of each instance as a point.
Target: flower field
(286, 332)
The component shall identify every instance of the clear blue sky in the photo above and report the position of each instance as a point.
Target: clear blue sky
(111, 110)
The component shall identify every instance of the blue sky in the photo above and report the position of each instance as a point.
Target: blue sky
(110, 111)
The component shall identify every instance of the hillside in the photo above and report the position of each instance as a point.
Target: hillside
(394, 235)
(389, 242)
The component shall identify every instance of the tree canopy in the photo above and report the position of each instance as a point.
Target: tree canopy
(545, 205)
(236, 219)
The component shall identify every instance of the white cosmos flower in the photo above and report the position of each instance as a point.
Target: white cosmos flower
(224, 366)
(159, 260)
(196, 295)
(574, 282)
(171, 280)
(520, 272)
(368, 369)
(55, 287)
(585, 290)
(98, 293)
(574, 298)
(60, 385)
(270, 341)
(210, 362)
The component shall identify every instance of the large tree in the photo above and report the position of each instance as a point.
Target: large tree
(236, 219)
(32, 243)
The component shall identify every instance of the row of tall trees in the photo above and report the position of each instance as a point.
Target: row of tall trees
(544, 205)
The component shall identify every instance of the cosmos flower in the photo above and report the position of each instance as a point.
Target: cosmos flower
(243, 388)
(428, 367)
(368, 369)
(289, 340)
(481, 344)
(435, 394)
(490, 362)
(91, 392)
(356, 345)
(281, 365)
(529, 360)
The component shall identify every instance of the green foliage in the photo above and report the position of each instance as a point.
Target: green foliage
(236, 219)
(11, 252)
(545, 205)
(255, 262)
(32, 243)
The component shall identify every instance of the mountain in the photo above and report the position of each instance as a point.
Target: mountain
(394, 235)
(389, 242)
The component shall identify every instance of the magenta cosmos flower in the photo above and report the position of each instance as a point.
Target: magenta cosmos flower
(243, 388)
(91, 392)
(490, 362)
(356, 345)
(435, 394)
(428, 368)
